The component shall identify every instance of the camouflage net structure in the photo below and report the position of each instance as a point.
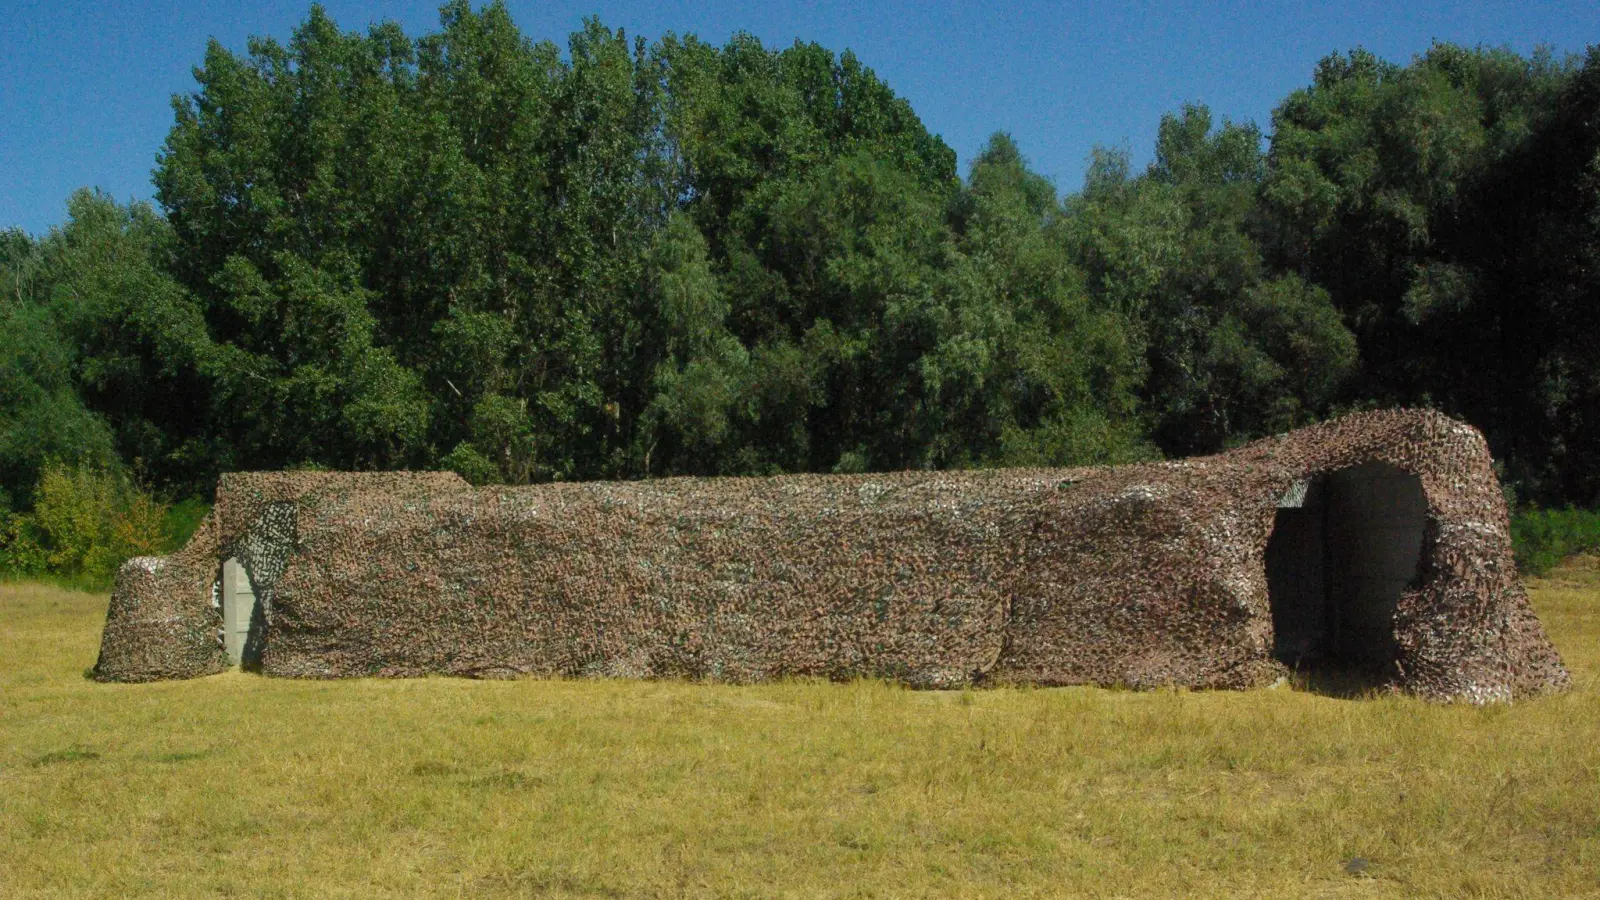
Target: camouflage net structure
(1140, 575)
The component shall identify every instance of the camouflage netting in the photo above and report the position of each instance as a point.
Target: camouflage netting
(1138, 575)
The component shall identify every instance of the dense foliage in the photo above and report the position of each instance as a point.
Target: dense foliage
(1452, 211)
(1545, 537)
(628, 259)
(85, 521)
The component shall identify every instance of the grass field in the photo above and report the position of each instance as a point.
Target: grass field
(237, 785)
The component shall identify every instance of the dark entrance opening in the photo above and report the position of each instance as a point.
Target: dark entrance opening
(1344, 547)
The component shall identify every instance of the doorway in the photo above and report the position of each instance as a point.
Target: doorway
(1345, 545)
(240, 624)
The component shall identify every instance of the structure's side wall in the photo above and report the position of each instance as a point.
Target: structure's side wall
(736, 580)
(1136, 575)
(1111, 593)
(935, 580)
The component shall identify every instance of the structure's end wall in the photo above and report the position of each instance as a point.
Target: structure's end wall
(1538, 668)
(165, 619)
(1418, 568)
(163, 622)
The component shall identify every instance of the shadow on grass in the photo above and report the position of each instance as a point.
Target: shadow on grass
(71, 754)
(1343, 682)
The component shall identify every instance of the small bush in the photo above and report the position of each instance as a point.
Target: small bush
(466, 461)
(72, 512)
(1543, 538)
(182, 519)
(22, 554)
(84, 523)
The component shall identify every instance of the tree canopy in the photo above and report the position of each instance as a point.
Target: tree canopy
(619, 259)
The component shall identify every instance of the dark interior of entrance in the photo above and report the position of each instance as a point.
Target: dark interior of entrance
(1344, 547)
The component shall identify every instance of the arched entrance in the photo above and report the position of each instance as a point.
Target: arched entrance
(1345, 545)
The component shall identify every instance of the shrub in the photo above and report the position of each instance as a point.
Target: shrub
(1543, 538)
(85, 522)
(72, 512)
(466, 461)
(182, 519)
(21, 553)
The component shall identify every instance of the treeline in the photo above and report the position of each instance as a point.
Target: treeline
(474, 251)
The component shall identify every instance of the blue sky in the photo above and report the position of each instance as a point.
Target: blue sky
(85, 86)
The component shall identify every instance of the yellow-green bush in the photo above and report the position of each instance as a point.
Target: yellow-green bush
(21, 551)
(84, 523)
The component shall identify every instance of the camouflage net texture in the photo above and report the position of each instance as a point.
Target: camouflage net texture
(1138, 575)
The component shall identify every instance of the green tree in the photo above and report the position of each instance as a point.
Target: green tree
(1038, 371)
(525, 262)
(1234, 350)
(1407, 193)
(466, 184)
(42, 418)
(1519, 285)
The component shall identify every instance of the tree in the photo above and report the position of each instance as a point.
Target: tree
(411, 195)
(41, 417)
(702, 386)
(612, 259)
(1234, 351)
(1407, 193)
(1519, 286)
(1041, 372)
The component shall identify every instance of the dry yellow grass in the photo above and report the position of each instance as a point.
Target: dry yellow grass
(242, 786)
